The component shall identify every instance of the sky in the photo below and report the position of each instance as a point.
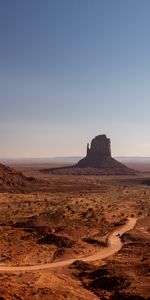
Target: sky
(71, 70)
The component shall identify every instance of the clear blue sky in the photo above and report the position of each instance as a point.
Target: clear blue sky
(73, 69)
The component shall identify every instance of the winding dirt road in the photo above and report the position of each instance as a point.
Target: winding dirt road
(114, 245)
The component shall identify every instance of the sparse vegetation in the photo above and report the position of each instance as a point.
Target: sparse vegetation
(74, 220)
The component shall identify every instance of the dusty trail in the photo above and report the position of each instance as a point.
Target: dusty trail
(114, 245)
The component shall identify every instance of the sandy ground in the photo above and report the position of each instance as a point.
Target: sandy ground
(114, 245)
(74, 219)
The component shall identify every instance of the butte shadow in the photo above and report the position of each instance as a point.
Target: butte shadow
(98, 161)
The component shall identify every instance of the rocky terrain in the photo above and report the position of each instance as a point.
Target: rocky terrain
(14, 181)
(73, 218)
(98, 161)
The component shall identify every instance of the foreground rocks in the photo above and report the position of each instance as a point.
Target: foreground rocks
(106, 283)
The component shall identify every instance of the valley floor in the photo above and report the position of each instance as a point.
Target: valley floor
(73, 217)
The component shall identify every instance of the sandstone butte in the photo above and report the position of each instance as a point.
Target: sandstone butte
(98, 161)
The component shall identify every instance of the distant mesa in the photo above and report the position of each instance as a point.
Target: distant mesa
(98, 161)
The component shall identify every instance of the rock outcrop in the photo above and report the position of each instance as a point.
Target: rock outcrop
(99, 152)
(13, 181)
(99, 157)
(98, 161)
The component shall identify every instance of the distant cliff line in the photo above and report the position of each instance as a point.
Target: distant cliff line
(69, 159)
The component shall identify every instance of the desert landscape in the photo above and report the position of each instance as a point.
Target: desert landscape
(74, 150)
(74, 236)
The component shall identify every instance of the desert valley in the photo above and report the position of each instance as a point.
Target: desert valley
(75, 232)
(75, 150)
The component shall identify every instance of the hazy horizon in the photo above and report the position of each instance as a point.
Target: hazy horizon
(71, 70)
(68, 158)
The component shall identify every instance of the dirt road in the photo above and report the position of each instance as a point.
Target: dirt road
(114, 245)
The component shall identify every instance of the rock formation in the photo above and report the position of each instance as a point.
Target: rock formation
(13, 181)
(98, 161)
(99, 157)
(99, 152)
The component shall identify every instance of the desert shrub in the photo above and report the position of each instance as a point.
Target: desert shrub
(58, 253)
(61, 242)
(119, 296)
(108, 283)
(94, 241)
